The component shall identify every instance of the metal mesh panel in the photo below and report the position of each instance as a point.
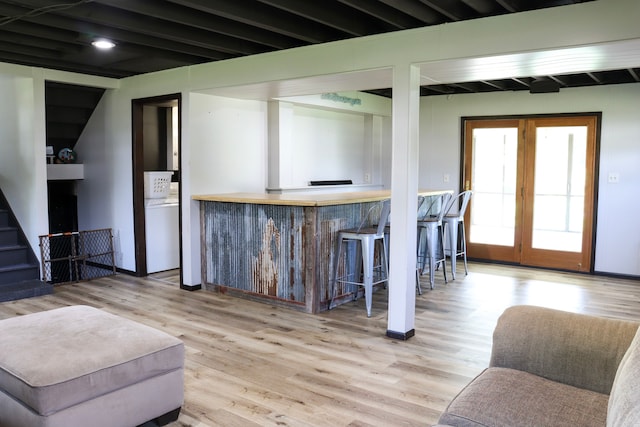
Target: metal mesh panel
(82, 255)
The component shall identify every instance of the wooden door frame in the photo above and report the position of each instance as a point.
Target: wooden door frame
(139, 222)
(465, 174)
(538, 257)
(503, 254)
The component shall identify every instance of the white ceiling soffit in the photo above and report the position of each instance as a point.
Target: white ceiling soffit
(599, 57)
(353, 81)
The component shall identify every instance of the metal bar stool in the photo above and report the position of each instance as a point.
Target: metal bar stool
(422, 209)
(367, 240)
(431, 242)
(454, 223)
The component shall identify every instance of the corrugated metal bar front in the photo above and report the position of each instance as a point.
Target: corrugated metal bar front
(253, 248)
(282, 253)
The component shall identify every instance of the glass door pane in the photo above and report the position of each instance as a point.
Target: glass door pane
(558, 204)
(494, 173)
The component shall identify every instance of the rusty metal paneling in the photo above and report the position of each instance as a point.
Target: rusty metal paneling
(255, 248)
(281, 252)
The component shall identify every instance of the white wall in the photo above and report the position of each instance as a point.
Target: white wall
(326, 145)
(334, 136)
(105, 196)
(618, 233)
(239, 135)
(22, 153)
(228, 140)
(224, 150)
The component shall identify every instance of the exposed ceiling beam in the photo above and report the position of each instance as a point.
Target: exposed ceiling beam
(417, 10)
(485, 7)
(339, 17)
(493, 84)
(558, 80)
(252, 13)
(520, 81)
(384, 13)
(508, 5)
(455, 11)
(184, 16)
(594, 78)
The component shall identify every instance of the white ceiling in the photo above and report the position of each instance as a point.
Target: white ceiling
(598, 57)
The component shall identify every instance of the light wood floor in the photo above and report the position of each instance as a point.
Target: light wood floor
(252, 364)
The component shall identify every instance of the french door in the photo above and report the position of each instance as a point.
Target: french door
(533, 190)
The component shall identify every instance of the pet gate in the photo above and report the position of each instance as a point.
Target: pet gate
(75, 256)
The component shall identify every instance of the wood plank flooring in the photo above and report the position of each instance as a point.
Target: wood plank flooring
(254, 364)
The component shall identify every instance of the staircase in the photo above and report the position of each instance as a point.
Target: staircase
(19, 268)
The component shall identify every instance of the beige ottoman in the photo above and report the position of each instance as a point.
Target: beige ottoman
(80, 366)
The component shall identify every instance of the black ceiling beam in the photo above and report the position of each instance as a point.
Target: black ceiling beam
(495, 85)
(57, 47)
(439, 89)
(57, 26)
(186, 16)
(508, 5)
(70, 42)
(384, 13)
(558, 80)
(338, 16)
(57, 64)
(95, 13)
(417, 10)
(485, 7)
(464, 86)
(634, 74)
(30, 50)
(594, 78)
(453, 10)
(37, 40)
(520, 81)
(265, 17)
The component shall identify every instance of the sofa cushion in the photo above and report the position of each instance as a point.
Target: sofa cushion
(55, 359)
(624, 402)
(576, 349)
(508, 397)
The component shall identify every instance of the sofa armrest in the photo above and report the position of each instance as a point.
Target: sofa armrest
(575, 349)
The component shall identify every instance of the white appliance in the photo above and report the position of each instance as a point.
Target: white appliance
(162, 228)
(163, 244)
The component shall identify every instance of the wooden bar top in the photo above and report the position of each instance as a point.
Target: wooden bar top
(308, 199)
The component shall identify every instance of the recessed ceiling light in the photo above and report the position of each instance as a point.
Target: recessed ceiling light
(103, 44)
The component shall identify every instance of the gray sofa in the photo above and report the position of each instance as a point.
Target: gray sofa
(553, 368)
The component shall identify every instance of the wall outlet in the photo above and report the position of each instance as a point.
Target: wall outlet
(367, 177)
(445, 177)
(614, 178)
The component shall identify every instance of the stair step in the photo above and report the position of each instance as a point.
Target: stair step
(13, 254)
(4, 218)
(24, 289)
(19, 273)
(8, 236)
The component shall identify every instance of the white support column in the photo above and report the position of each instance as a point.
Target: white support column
(280, 123)
(404, 191)
(273, 144)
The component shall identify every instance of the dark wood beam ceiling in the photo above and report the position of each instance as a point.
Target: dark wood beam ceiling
(163, 34)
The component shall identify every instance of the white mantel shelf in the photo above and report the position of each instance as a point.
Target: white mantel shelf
(65, 171)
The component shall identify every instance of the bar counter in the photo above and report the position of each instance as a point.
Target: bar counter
(279, 247)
